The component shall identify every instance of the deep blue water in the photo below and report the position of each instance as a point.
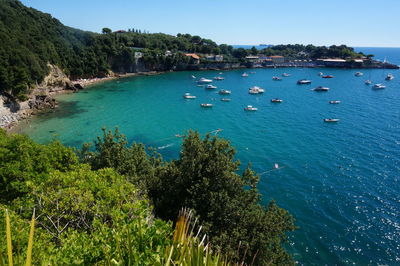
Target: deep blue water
(340, 181)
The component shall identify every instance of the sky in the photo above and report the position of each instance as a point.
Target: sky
(368, 23)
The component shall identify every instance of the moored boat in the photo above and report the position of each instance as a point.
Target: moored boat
(256, 90)
(327, 76)
(250, 108)
(368, 82)
(211, 87)
(334, 102)
(320, 74)
(276, 78)
(224, 92)
(276, 100)
(204, 80)
(389, 77)
(225, 100)
(303, 81)
(330, 120)
(245, 75)
(321, 88)
(219, 78)
(379, 86)
(285, 75)
(193, 76)
(206, 105)
(358, 74)
(188, 96)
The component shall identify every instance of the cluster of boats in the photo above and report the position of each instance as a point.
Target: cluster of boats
(376, 86)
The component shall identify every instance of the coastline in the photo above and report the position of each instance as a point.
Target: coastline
(10, 117)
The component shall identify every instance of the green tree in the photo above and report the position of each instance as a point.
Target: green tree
(106, 30)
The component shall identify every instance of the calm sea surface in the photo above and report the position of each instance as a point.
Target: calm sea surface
(341, 181)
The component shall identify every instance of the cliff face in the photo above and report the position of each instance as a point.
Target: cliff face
(55, 80)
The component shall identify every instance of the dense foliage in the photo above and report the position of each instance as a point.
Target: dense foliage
(95, 206)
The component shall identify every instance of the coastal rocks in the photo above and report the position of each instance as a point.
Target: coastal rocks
(41, 102)
(55, 79)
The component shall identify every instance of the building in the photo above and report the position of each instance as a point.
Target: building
(138, 55)
(277, 59)
(195, 59)
(253, 58)
(215, 58)
(332, 62)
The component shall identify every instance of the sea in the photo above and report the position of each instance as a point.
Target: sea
(340, 181)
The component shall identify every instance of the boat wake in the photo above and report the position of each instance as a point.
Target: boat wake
(165, 146)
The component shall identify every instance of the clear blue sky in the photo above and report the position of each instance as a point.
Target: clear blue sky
(320, 22)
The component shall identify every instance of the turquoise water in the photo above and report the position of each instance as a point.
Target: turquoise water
(340, 181)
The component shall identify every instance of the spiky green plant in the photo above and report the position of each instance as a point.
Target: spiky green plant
(9, 242)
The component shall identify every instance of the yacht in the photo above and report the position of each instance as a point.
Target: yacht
(211, 87)
(285, 75)
(204, 80)
(219, 78)
(224, 92)
(206, 105)
(327, 76)
(245, 75)
(276, 100)
(358, 74)
(188, 96)
(379, 86)
(303, 81)
(250, 108)
(321, 88)
(276, 78)
(330, 120)
(334, 102)
(225, 100)
(389, 77)
(368, 82)
(256, 90)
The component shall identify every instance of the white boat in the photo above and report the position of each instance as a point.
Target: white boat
(193, 77)
(188, 96)
(358, 74)
(225, 100)
(252, 72)
(220, 73)
(330, 120)
(245, 75)
(321, 88)
(379, 86)
(389, 77)
(256, 90)
(219, 78)
(204, 80)
(224, 92)
(276, 78)
(276, 100)
(206, 105)
(250, 108)
(334, 102)
(285, 75)
(320, 74)
(368, 82)
(211, 87)
(303, 81)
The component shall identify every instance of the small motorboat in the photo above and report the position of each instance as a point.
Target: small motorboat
(193, 77)
(224, 92)
(327, 76)
(276, 100)
(188, 96)
(225, 100)
(321, 88)
(330, 120)
(334, 102)
(358, 74)
(379, 86)
(206, 105)
(320, 74)
(220, 73)
(204, 80)
(389, 77)
(256, 90)
(219, 78)
(368, 82)
(285, 75)
(276, 78)
(252, 72)
(303, 81)
(245, 75)
(250, 108)
(211, 87)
